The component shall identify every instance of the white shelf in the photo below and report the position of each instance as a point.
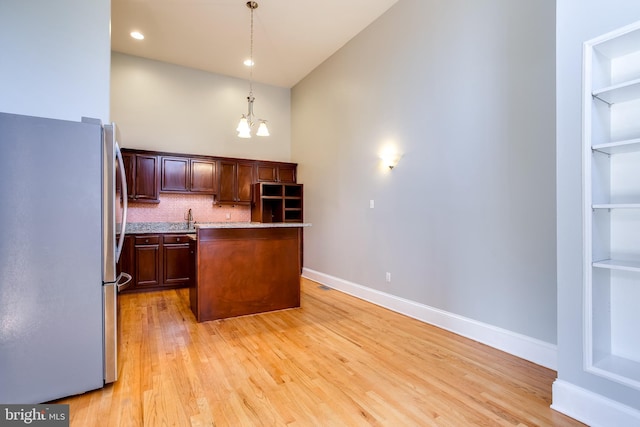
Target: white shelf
(625, 42)
(622, 92)
(618, 369)
(618, 147)
(613, 264)
(611, 76)
(616, 206)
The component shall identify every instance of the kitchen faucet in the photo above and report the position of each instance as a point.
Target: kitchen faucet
(189, 219)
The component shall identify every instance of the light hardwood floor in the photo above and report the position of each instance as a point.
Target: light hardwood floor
(336, 361)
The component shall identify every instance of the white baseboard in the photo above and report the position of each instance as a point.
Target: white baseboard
(591, 408)
(536, 351)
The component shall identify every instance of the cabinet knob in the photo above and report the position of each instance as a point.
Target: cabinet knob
(177, 239)
(146, 240)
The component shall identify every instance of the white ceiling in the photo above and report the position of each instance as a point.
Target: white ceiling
(291, 37)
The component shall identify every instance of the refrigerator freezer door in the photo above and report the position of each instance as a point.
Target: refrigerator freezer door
(51, 320)
(110, 291)
(110, 332)
(111, 250)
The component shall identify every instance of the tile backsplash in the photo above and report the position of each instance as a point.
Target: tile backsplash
(174, 208)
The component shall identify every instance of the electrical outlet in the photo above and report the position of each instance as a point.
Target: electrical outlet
(388, 277)
(228, 215)
(371, 204)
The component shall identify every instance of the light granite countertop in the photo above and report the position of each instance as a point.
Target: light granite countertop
(181, 227)
(253, 225)
(159, 227)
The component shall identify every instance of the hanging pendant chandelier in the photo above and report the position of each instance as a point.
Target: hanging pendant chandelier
(247, 120)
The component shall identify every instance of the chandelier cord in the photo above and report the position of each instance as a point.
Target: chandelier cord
(251, 56)
(246, 121)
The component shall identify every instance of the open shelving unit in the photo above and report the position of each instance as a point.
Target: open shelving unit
(611, 141)
(276, 202)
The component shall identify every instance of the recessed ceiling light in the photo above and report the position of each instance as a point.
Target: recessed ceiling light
(137, 35)
(248, 62)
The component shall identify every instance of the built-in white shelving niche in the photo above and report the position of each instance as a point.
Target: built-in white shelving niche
(611, 140)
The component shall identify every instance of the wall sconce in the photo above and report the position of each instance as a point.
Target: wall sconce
(390, 158)
(390, 161)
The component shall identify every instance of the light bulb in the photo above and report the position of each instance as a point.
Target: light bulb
(243, 125)
(262, 129)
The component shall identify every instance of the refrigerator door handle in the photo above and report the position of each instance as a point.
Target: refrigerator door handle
(121, 286)
(125, 200)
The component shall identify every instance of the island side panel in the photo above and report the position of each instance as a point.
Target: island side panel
(246, 271)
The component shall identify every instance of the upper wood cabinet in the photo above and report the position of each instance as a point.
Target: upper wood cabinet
(276, 172)
(142, 176)
(175, 174)
(230, 180)
(236, 179)
(188, 175)
(275, 202)
(203, 176)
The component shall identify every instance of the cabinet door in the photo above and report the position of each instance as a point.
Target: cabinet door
(266, 172)
(147, 261)
(175, 174)
(276, 172)
(203, 173)
(227, 191)
(244, 182)
(177, 264)
(287, 174)
(128, 159)
(146, 177)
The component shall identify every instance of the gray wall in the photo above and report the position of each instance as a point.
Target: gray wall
(578, 21)
(165, 107)
(55, 58)
(466, 222)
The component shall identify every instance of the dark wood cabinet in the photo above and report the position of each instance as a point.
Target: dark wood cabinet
(245, 181)
(157, 261)
(188, 175)
(203, 176)
(236, 180)
(229, 180)
(147, 261)
(246, 271)
(276, 172)
(176, 260)
(142, 176)
(277, 202)
(174, 174)
(287, 174)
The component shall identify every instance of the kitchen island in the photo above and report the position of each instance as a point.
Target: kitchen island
(245, 268)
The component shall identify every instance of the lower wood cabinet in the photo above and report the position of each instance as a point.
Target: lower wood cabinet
(176, 260)
(157, 261)
(147, 261)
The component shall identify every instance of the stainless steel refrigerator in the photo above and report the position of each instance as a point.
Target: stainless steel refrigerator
(59, 216)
